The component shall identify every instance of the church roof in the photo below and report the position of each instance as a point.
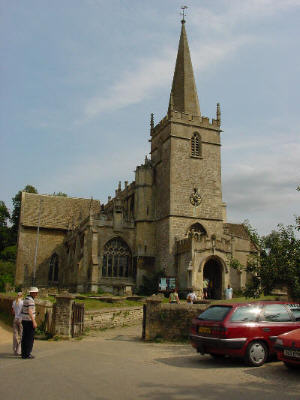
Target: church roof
(56, 212)
(237, 230)
(184, 96)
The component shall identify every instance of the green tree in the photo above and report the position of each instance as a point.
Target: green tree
(4, 214)
(15, 218)
(7, 273)
(252, 232)
(5, 231)
(278, 263)
(9, 253)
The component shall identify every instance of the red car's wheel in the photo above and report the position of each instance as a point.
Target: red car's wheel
(256, 354)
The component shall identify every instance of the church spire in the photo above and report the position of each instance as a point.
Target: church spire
(184, 92)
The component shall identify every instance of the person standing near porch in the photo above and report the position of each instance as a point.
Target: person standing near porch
(205, 288)
(17, 306)
(29, 323)
(228, 292)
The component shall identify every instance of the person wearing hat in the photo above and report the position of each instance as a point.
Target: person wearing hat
(29, 323)
(17, 324)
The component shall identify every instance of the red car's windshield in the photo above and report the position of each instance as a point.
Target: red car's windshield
(215, 313)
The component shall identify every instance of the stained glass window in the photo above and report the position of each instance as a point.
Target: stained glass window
(117, 259)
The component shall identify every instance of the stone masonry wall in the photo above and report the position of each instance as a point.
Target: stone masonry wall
(188, 172)
(43, 310)
(112, 317)
(62, 315)
(170, 321)
(57, 318)
(49, 241)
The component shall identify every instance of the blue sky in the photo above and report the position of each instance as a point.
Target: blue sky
(79, 79)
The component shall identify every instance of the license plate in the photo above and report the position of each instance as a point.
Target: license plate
(292, 353)
(204, 329)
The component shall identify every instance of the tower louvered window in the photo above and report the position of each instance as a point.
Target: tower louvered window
(196, 145)
(117, 260)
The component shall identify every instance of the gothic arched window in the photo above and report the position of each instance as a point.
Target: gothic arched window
(117, 259)
(53, 269)
(196, 145)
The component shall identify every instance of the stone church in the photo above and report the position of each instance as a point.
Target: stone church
(171, 218)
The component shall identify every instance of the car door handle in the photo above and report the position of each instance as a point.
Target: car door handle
(266, 329)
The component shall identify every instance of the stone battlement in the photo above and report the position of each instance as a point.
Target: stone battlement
(176, 116)
(202, 244)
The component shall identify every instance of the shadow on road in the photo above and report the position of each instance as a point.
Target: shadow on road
(277, 372)
(125, 338)
(195, 361)
(217, 391)
(8, 355)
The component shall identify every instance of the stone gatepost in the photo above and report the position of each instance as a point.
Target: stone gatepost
(152, 309)
(63, 315)
(44, 309)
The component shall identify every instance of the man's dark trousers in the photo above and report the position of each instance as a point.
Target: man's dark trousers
(27, 339)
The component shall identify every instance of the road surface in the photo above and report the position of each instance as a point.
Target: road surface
(116, 364)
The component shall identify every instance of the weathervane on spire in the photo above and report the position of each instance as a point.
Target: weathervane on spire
(183, 13)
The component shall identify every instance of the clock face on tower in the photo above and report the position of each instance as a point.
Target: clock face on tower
(195, 198)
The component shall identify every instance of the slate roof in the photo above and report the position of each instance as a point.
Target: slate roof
(57, 212)
(237, 230)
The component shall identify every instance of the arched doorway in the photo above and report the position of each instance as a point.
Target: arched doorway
(213, 272)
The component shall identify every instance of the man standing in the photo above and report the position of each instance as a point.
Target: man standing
(228, 292)
(29, 323)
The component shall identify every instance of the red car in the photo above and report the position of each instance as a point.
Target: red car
(247, 330)
(288, 347)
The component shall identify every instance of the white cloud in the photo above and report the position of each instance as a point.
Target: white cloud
(94, 172)
(238, 12)
(265, 181)
(153, 73)
(135, 85)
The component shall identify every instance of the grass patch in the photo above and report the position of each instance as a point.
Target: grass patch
(93, 304)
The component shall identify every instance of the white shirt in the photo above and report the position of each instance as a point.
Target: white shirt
(192, 296)
(17, 307)
(28, 305)
(228, 293)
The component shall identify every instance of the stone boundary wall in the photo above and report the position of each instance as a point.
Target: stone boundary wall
(56, 318)
(169, 321)
(43, 310)
(112, 317)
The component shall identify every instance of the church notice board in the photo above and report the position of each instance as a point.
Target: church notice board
(167, 283)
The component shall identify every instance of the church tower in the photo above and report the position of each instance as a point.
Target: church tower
(185, 155)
